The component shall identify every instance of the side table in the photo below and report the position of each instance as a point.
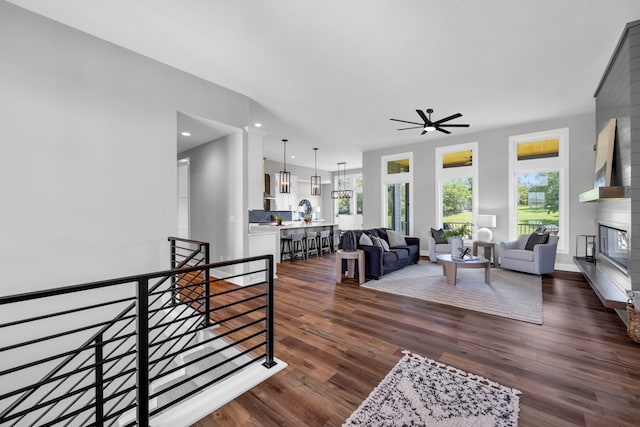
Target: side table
(489, 251)
(351, 257)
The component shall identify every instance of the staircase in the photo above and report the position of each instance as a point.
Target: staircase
(163, 348)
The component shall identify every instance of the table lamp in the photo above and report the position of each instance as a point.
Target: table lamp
(484, 221)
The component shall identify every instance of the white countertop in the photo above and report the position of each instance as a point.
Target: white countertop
(270, 228)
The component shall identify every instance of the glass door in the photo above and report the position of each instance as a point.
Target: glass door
(398, 207)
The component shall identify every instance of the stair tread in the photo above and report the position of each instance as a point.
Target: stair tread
(195, 368)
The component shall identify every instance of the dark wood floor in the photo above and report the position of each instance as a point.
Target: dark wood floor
(577, 369)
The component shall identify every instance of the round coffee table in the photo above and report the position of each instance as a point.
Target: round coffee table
(450, 267)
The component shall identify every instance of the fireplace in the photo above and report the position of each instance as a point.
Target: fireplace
(614, 245)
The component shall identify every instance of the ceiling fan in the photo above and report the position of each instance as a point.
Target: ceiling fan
(429, 126)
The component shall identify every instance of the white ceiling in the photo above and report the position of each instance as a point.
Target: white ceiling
(331, 73)
(201, 131)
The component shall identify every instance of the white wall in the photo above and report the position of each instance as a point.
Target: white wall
(217, 196)
(88, 143)
(303, 188)
(493, 177)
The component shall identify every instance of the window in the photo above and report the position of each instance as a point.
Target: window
(538, 184)
(397, 188)
(357, 191)
(353, 205)
(398, 166)
(456, 185)
(397, 217)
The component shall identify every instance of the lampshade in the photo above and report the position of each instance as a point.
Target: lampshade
(285, 176)
(484, 221)
(316, 180)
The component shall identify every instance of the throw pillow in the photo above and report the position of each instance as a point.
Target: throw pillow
(438, 235)
(536, 239)
(385, 245)
(381, 243)
(541, 229)
(396, 238)
(365, 240)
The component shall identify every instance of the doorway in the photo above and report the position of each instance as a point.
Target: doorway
(184, 229)
(398, 207)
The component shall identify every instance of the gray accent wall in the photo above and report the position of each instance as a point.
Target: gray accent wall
(618, 96)
(634, 36)
(493, 176)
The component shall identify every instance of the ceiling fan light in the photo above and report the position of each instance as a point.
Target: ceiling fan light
(430, 128)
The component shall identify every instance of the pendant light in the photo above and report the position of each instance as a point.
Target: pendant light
(342, 193)
(285, 176)
(316, 180)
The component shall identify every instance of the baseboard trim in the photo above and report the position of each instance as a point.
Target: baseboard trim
(567, 267)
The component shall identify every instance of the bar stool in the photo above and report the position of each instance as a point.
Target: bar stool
(336, 239)
(311, 243)
(296, 246)
(285, 242)
(325, 241)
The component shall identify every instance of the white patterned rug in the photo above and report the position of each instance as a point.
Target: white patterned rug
(510, 294)
(422, 392)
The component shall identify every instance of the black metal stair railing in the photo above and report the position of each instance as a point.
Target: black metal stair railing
(95, 383)
(192, 253)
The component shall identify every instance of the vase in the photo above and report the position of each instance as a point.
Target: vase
(456, 246)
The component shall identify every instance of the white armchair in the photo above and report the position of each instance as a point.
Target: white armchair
(438, 249)
(541, 260)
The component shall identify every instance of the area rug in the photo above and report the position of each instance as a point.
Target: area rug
(422, 392)
(510, 294)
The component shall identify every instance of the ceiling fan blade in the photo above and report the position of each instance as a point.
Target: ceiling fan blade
(423, 132)
(404, 121)
(423, 116)
(412, 127)
(443, 130)
(446, 119)
(454, 126)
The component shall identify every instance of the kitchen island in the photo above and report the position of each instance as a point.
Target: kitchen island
(259, 231)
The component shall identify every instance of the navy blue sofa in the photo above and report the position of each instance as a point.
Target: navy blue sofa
(379, 262)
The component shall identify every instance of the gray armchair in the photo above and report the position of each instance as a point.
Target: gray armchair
(541, 260)
(437, 249)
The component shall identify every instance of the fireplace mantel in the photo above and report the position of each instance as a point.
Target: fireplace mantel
(604, 193)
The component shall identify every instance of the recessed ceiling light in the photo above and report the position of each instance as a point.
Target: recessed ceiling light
(293, 157)
(258, 125)
(185, 133)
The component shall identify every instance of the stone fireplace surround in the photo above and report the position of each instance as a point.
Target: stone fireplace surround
(618, 96)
